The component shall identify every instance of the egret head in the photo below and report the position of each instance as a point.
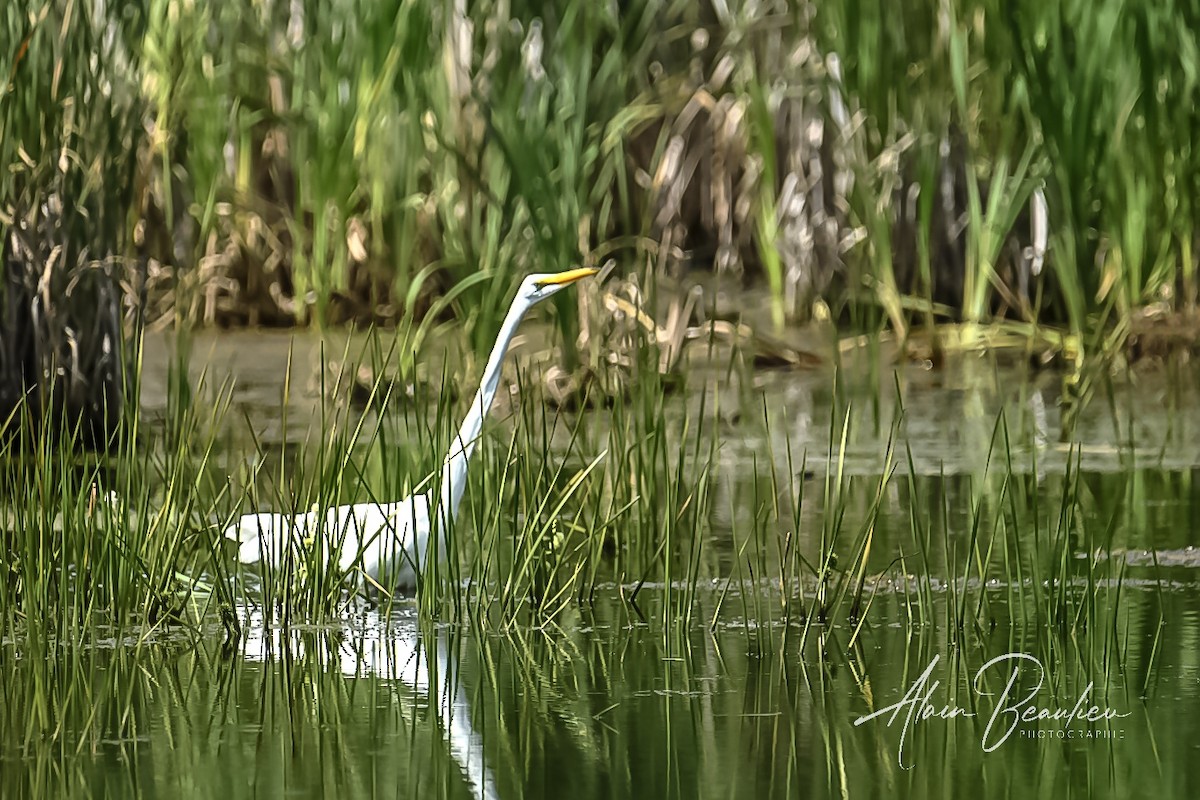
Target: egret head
(539, 286)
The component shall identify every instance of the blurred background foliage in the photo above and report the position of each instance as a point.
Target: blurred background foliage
(265, 162)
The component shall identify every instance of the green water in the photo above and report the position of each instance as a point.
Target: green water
(606, 706)
(751, 694)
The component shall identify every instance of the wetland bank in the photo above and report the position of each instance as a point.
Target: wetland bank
(866, 466)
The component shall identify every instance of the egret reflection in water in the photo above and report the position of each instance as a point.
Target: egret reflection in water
(396, 652)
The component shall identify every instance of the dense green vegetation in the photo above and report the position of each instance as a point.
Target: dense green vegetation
(266, 162)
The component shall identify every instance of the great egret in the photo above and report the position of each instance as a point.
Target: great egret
(389, 541)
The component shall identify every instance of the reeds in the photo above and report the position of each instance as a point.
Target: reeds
(272, 163)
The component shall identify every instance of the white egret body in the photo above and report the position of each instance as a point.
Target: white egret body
(389, 542)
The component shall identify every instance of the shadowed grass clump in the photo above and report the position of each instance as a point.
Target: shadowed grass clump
(70, 114)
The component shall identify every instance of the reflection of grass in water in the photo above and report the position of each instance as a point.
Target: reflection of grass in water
(595, 705)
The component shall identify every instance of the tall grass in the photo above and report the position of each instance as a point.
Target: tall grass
(1089, 99)
(562, 507)
(272, 163)
(70, 113)
(119, 539)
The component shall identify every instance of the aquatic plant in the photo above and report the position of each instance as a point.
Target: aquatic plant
(903, 175)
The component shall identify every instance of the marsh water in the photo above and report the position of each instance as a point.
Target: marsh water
(1091, 690)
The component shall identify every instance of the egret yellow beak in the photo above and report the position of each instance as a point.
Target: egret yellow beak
(570, 276)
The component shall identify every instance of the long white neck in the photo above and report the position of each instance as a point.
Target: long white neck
(454, 468)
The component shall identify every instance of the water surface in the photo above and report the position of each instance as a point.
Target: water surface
(751, 694)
